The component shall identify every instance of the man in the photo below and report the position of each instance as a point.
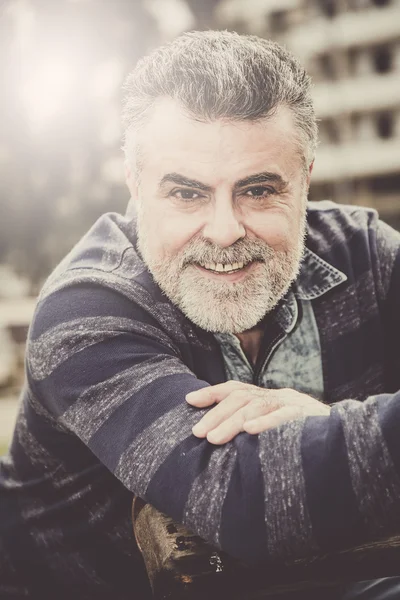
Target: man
(220, 288)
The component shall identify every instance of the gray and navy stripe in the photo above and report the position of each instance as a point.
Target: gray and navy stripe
(104, 416)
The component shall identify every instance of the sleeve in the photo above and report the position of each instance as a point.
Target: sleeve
(387, 249)
(119, 384)
(351, 461)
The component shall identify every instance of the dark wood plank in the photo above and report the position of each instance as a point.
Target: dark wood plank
(181, 565)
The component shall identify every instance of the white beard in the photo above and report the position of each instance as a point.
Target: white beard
(222, 306)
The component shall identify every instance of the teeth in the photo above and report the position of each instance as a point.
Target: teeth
(220, 268)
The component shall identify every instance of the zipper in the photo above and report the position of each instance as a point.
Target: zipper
(266, 355)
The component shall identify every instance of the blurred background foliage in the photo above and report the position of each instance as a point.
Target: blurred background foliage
(62, 63)
(60, 167)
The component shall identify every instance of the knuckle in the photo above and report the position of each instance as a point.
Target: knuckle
(239, 395)
(261, 402)
(234, 383)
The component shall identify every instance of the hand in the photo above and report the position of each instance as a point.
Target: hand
(245, 407)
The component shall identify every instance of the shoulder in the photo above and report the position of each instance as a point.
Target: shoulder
(106, 259)
(104, 280)
(331, 225)
(353, 239)
(106, 254)
(339, 222)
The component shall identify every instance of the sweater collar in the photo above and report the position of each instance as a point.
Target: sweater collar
(316, 277)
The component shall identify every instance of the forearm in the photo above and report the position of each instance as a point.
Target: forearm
(290, 492)
(307, 487)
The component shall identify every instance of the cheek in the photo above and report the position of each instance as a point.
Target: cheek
(168, 232)
(278, 230)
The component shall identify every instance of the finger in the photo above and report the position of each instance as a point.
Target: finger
(273, 419)
(228, 429)
(213, 393)
(261, 406)
(214, 417)
(238, 401)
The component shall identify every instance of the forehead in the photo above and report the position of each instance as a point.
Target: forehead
(219, 150)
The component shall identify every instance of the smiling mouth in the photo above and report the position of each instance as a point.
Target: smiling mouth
(224, 268)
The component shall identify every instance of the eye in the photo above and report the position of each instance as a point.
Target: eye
(185, 194)
(260, 191)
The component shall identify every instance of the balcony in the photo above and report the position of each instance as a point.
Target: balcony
(361, 94)
(347, 30)
(357, 160)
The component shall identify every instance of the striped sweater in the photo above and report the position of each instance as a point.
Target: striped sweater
(103, 416)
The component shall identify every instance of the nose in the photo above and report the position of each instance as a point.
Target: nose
(224, 226)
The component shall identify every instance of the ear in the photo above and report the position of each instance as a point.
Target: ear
(131, 181)
(310, 168)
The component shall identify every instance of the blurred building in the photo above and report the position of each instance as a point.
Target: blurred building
(352, 50)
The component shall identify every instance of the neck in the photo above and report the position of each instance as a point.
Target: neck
(250, 341)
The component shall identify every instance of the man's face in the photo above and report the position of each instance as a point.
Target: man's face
(221, 214)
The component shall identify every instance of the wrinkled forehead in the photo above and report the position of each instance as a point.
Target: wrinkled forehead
(174, 141)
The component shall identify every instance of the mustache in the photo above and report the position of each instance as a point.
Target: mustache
(244, 250)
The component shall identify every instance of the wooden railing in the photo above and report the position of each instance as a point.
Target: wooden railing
(181, 565)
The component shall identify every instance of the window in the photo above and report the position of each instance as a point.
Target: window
(278, 21)
(381, 2)
(328, 7)
(330, 131)
(320, 191)
(385, 125)
(326, 66)
(385, 184)
(358, 4)
(382, 59)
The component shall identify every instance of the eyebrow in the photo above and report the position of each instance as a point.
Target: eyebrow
(182, 180)
(258, 178)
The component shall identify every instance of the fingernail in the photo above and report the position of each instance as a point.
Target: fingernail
(190, 397)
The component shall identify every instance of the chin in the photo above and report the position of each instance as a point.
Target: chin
(228, 317)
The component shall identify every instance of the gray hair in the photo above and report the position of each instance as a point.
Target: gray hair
(220, 75)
